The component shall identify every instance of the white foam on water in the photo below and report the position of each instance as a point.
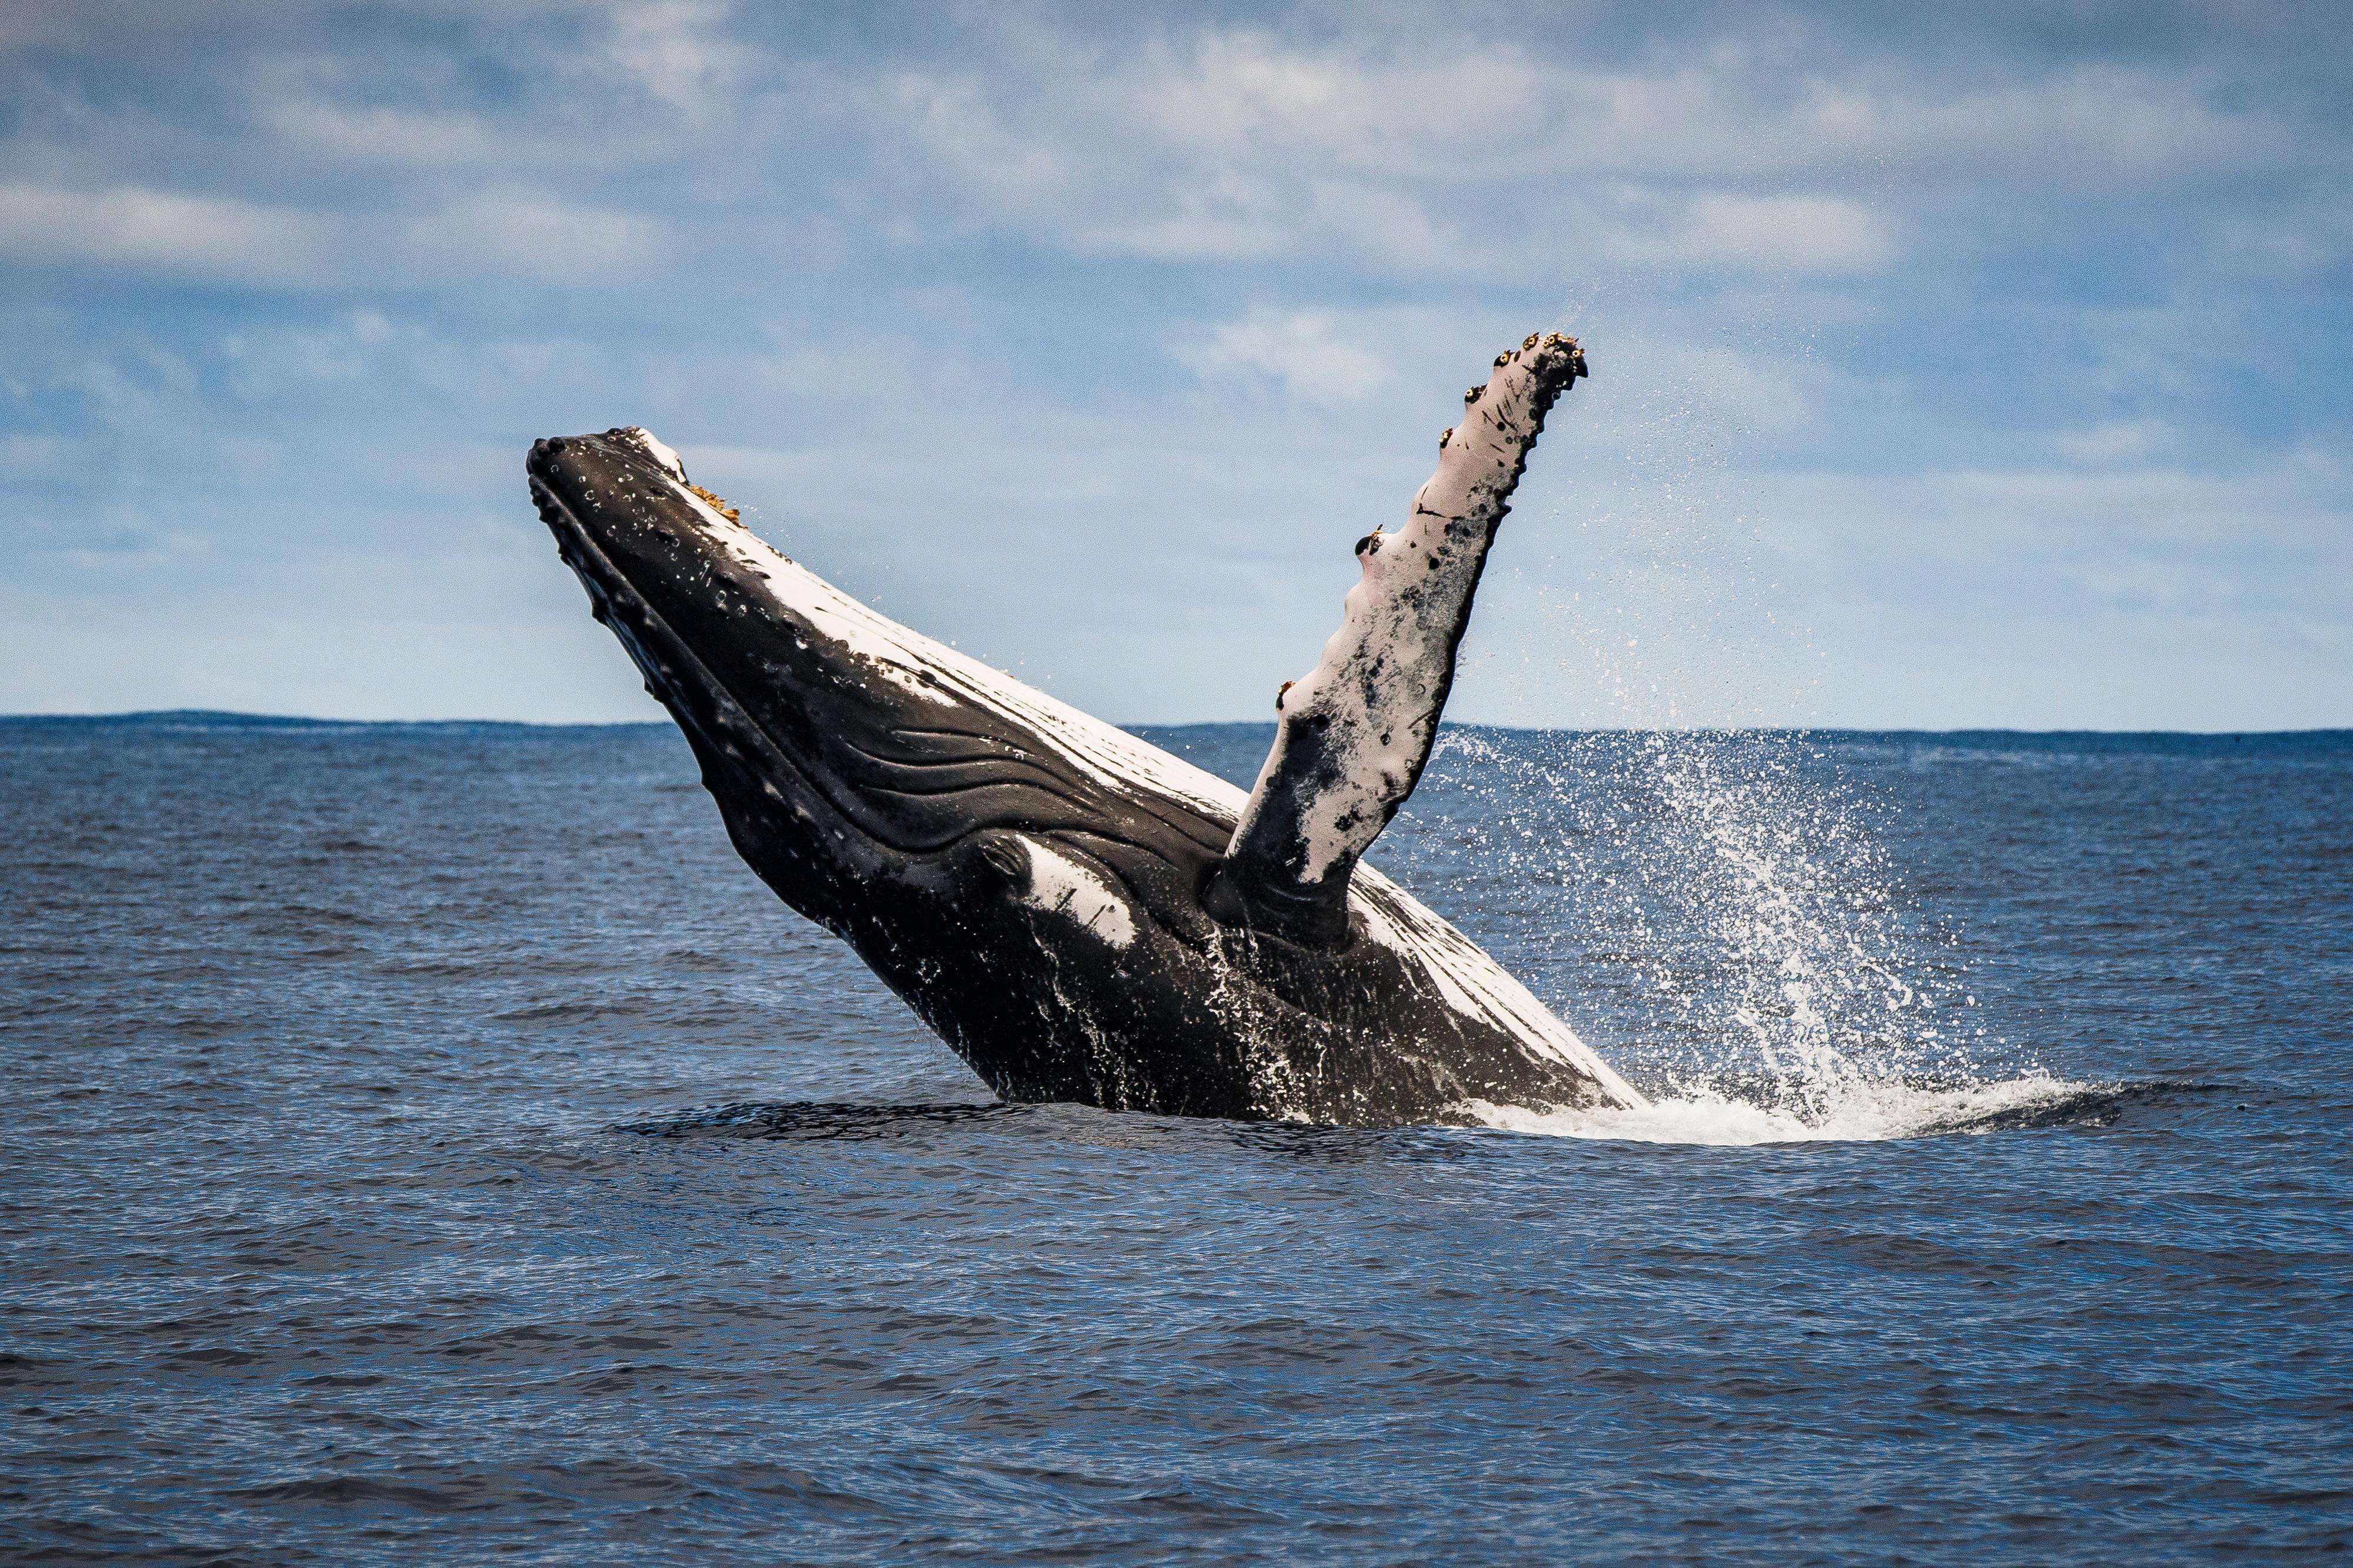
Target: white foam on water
(1866, 1114)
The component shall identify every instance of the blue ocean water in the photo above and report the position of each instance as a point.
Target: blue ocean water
(432, 1139)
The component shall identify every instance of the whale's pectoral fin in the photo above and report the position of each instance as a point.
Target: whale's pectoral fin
(1354, 733)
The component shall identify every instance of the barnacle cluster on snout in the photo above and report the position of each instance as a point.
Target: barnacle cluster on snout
(716, 504)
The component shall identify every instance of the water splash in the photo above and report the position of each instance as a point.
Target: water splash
(1718, 913)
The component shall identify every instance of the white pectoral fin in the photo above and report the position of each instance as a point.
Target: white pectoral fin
(1354, 733)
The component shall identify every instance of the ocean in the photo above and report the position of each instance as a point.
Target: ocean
(432, 1142)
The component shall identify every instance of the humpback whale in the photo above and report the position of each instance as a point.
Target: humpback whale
(1078, 914)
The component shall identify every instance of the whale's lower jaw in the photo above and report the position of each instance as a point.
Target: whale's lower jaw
(1030, 880)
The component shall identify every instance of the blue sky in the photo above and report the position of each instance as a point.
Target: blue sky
(1987, 368)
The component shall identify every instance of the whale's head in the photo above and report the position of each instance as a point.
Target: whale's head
(904, 795)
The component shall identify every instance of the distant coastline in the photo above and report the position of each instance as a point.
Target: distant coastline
(223, 718)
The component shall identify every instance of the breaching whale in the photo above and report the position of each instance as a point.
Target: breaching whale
(1078, 914)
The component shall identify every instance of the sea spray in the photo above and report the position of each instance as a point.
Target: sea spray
(1718, 913)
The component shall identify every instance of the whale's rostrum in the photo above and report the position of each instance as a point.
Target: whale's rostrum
(1069, 906)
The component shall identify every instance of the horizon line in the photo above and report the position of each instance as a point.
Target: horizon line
(243, 717)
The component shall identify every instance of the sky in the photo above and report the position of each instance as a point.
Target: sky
(1986, 367)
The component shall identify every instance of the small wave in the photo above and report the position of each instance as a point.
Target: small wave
(853, 1122)
(1863, 1114)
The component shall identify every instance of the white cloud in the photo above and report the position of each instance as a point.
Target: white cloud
(1315, 357)
(2090, 130)
(954, 123)
(1721, 231)
(141, 229)
(1430, 156)
(138, 229)
(1434, 116)
(2294, 246)
(28, 456)
(678, 52)
(1237, 145)
(2118, 441)
(526, 234)
(2044, 546)
(326, 131)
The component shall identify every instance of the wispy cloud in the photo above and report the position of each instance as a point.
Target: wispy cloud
(1237, 145)
(344, 133)
(680, 52)
(137, 230)
(2118, 441)
(1311, 355)
(1715, 231)
(520, 234)
(141, 229)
